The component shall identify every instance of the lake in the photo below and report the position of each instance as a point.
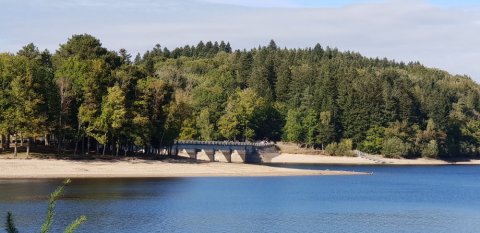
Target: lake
(393, 199)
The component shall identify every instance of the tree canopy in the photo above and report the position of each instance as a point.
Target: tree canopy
(85, 97)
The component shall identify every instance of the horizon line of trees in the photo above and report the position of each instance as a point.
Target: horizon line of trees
(85, 98)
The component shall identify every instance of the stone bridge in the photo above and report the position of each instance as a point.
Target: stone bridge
(246, 152)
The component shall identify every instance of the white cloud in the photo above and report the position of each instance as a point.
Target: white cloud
(445, 38)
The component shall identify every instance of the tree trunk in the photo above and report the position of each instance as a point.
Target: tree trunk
(76, 147)
(104, 145)
(28, 147)
(61, 132)
(21, 139)
(15, 146)
(2, 138)
(8, 142)
(46, 140)
(88, 145)
(114, 146)
(59, 144)
(83, 145)
(62, 143)
(76, 140)
(118, 148)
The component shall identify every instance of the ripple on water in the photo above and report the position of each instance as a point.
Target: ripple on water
(394, 199)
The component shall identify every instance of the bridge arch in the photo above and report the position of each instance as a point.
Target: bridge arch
(247, 152)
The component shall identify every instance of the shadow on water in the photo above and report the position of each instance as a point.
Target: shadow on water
(88, 188)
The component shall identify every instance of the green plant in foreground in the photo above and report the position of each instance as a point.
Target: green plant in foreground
(47, 225)
(9, 225)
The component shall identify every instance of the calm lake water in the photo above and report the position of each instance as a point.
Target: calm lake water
(393, 199)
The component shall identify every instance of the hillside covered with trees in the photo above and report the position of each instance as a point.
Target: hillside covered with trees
(85, 96)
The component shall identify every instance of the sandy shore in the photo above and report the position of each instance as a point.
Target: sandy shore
(50, 168)
(23, 168)
(369, 160)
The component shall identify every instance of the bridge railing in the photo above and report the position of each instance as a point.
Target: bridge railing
(223, 143)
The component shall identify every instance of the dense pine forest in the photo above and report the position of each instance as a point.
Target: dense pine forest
(85, 98)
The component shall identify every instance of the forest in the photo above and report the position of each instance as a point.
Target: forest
(84, 98)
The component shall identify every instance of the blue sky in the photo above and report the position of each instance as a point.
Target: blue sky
(438, 33)
(456, 3)
(334, 3)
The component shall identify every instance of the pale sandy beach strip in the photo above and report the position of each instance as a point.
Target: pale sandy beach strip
(322, 159)
(51, 168)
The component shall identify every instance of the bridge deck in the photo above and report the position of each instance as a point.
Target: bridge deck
(247, 151)
(222, 143)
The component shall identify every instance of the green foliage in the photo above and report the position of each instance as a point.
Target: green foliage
(344, 148)
(57, 194)
(83, 46)
(471, 132)
(331, 149)
(315, 96)
(430, 150)
(113, 111)
(176, 115)
(282, 86)
(326, 128)
(268, 122)
(47, 225)
(241, 115)
(24, 106)
(112, 118)
(263, 74)
(374, 141)
(205, 126)
(188, 130)
(428, 141)
(293, 128)
(150, 110)
(75, 224)
(395, 148)
(310, 126)
(399, 130)
(9, 224)
(247, 107)
(228, 126)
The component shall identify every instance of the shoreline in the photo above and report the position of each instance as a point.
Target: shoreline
(34, 168)
(285, 158)
(48, 168)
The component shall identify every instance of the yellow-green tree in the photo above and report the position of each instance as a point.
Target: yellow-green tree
(112, 118)
(293, 129)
